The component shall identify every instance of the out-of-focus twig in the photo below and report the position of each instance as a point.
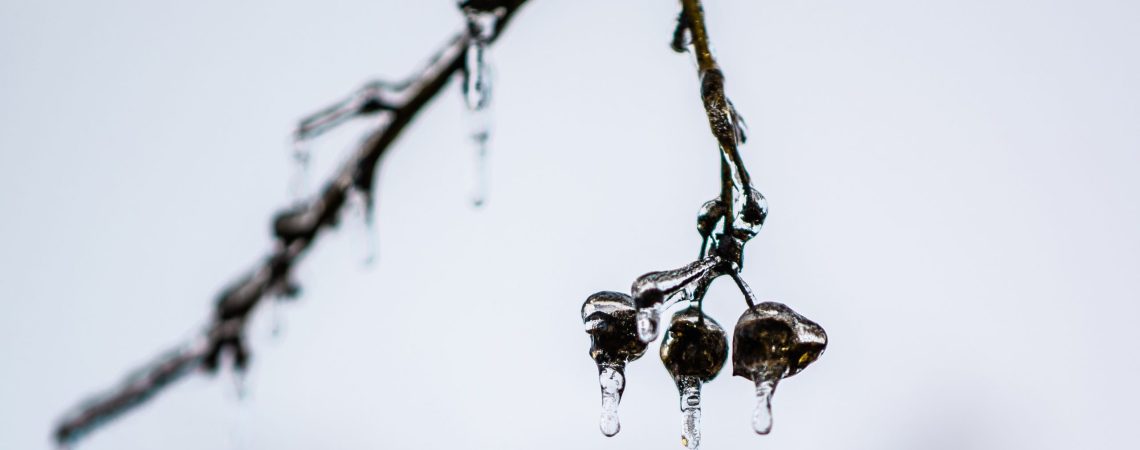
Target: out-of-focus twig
(296, 229)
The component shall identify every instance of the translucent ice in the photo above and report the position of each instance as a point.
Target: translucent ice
(762, 416)
(612, 381)
(299, 180)
(690, 388)
(609, 319)
(359, 210)
(693, 351)
(771, 342)
(477, 91)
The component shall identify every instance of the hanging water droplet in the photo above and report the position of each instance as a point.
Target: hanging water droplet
(612, 381)
(762, 416)
(649, 323)
(690, 387)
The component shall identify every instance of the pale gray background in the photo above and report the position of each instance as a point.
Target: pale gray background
(953, 189)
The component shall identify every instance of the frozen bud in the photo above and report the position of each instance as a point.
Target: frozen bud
(610, 321)
(693, 351)
(772, 342)
(752, 215)
(711, 213)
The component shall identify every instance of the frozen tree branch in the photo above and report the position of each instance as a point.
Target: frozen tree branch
(295, 229)
(728, 128)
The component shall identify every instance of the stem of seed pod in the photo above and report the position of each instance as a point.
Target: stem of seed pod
(749, 298)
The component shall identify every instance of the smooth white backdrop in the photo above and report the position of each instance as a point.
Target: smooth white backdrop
(952, 186)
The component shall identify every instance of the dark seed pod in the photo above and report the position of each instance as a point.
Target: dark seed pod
(694, 350)
(694, 346)
(772, 342)
(610, 318)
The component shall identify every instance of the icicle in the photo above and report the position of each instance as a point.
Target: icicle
(649, 323)
(762, 416)
(276, 326)
(771, 342)
(612, 382)
(238, 436)
(477, 93)
(359, 211)
(239, 379)
(299, 180)
(690, 411)
(480, 137)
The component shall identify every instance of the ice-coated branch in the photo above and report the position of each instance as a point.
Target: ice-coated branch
(726, 124)
(295, 229)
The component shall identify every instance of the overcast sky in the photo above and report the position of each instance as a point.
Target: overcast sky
(952, 186)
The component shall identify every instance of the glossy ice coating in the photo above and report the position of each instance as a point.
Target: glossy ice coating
(693, 347)
(711, 212)
(773, 342)
(752, 215)
(610, 321)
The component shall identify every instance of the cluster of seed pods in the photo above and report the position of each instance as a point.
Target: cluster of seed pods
(770, 341)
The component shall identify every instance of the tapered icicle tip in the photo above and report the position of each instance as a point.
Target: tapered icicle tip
(613, 382)
(690, 412)
(762, 416)
(648, 324)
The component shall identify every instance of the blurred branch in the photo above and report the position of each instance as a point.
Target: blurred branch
(295, 229)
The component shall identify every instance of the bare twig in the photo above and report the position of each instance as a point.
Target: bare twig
(296, 229)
